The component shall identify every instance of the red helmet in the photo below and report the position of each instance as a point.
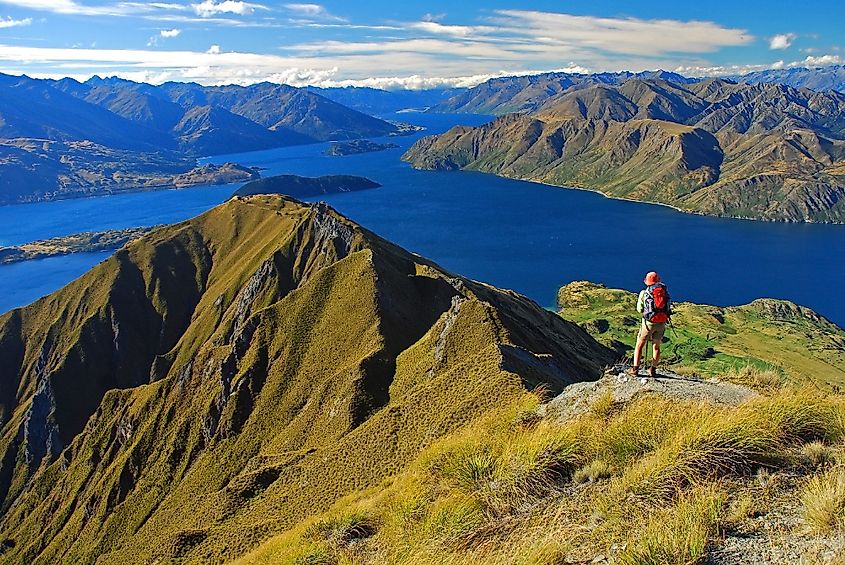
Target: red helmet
(651, 278)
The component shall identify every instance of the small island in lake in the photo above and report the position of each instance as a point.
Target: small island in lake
(356, 146)
(302, 187)
(65, 245)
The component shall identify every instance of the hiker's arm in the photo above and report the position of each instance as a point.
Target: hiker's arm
(640, 302)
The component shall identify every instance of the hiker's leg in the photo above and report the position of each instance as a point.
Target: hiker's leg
(656, 339)
(638, 350)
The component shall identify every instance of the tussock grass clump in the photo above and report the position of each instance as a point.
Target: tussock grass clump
(593, 472)
(739, 510)
(499, 492)
(507, 471)
(817, 454)
(678, 534)
(823, 501)
(767, 381)
(637, 430)
(602, 407)
(721, 442)
(344, 529)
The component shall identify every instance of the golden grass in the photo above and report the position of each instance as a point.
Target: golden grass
(766, 381)
(823, 501)
(678, 534)
(500, 492)
(593, 472)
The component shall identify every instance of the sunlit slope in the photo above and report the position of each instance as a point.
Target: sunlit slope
(219, 380)
(714, 147)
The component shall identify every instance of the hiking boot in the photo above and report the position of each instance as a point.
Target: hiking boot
(652, 372)
(634, 371)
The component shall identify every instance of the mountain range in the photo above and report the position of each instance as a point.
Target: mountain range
(526, 93)
(62, 137)
(717, 147)
(820, 78)
(377, 102)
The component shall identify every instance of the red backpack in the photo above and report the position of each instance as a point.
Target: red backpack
(657, 305)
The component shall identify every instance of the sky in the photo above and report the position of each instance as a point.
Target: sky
(407, 44)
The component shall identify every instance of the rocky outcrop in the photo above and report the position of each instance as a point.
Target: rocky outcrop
(622, 389)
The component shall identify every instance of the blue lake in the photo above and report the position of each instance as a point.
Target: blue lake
(520, 235)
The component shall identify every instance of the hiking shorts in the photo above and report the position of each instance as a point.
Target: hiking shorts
(652, 332)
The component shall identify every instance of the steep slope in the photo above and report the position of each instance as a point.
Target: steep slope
(644, 159)
(34, 109)
(715, 147)
(217, 381)
(140, 103)
(277, 106)
(527, 93)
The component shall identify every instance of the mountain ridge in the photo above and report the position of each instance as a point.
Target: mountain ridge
(121, 134)
(714, 147)
(233, 369)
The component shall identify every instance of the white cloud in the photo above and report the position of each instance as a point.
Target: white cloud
(782, 40)
(72, 7)
(163, 34)
(419, 54)
(211, 8)
(731, 70)
(9, 22)
(312, 12)
(620, 35)
(430, 17)
(437, 28)
(820, 61)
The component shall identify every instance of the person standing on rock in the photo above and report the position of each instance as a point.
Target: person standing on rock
(655, 306)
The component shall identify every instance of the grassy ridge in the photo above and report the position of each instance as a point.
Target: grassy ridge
(300, 359)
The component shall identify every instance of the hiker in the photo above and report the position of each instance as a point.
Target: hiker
(654, 305)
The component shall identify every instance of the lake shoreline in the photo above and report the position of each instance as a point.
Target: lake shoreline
(510, 233)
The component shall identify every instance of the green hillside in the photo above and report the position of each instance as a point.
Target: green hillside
(770, 334)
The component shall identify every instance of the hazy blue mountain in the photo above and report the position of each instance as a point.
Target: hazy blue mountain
(528, 92)
(61, 138)
(820, 78)
(35, 109)
(120, 113)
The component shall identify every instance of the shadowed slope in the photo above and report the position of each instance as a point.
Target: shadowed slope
(290, 357)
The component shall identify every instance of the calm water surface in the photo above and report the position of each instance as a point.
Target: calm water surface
(514, 234)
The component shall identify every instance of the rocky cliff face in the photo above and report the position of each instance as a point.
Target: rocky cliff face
(218, 380)
(765, 151)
